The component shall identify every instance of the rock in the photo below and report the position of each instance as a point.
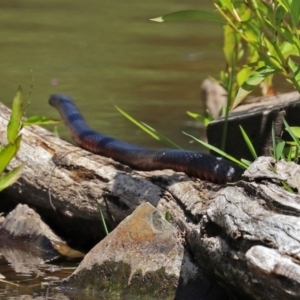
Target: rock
(142, 256)
(214, 96)
(24, 230)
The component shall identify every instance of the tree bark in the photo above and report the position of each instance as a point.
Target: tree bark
(246, 235)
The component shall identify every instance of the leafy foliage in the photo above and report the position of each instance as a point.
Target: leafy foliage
(14, 137)
(260, 39)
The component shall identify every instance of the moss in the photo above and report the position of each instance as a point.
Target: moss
(114, 278)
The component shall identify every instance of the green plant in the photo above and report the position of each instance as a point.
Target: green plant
(168, 216)
(260, 39)
(260, 35)
(14, 137)
(288, 150)
(205, 120)
(103, 220)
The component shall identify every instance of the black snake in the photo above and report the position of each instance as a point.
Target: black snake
(192, 163)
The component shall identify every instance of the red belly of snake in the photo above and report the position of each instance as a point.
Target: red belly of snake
(192, 163)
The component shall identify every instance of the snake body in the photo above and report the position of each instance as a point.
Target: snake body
(192, 163)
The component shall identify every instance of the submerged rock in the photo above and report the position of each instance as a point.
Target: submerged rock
(24, 230)
(142, 256)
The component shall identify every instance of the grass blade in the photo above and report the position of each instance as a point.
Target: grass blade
(220, 152)
(246, 161)
(273, 141)
(8, 152)
(204, 120)
(290, 131)
(103, 220)
(248, 142)
(148, 129)
(15, 121)
(279, 150)
(40, 120)
(11, 177)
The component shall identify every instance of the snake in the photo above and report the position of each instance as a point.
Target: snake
(194, 164)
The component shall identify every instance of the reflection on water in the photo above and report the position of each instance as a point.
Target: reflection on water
(108, 52)
(38, 284)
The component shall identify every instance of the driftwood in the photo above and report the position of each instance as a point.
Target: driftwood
(245, 235)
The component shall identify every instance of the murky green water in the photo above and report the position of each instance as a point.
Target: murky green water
(108, 52)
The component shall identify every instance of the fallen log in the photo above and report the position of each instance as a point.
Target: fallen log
(68, 185)
(239, 234)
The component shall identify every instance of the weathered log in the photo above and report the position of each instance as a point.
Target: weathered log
(67, 184)
(225, 228)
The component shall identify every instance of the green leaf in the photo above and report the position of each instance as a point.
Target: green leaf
(168, 216)
(234, 7)
(204, 120)
(246, 162)
(248, 142)
(231, 39)
(11, 177)
(189, 15)
(295, 12)
(40, 120)
(287, 187)
(252, 82)
(288, 129)
(288, 49)
(285, 4)
(251, 31)
(8, 152)
(279, 150)
(15, 121)
(292, 7)
(220, 152)
(279, 14)
(273, 140)
(103, 219)
(295, 68)
(289, 153)
(296, 131)
(243, 74)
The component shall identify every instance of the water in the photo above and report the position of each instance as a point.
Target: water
(106, 53)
